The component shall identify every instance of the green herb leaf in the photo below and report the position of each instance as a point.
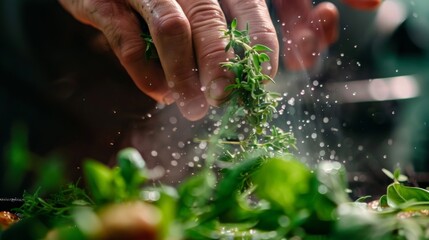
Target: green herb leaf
(261, 48)
(288, 184)
(132, 168)
(398, 195)
(101, 182)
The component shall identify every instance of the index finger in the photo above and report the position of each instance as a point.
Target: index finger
(207, 21)
(171, 33)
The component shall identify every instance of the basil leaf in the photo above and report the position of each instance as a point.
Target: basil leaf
(100, 182)
(132, 168)
(398, 194)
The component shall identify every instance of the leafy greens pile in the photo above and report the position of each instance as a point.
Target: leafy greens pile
(252, 186)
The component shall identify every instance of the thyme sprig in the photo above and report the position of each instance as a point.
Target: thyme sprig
(250, 102)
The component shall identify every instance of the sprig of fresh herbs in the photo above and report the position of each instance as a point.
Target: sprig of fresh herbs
(58, 204)
(246, 121)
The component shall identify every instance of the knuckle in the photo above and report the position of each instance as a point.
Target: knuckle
(202, 14)
(90, 8)
(251, 5)
(131, 52)
(265, 35)
(212, 53)
(171, 24)
(128, 49)
(184, 78)
(206, 21)
(101, 12)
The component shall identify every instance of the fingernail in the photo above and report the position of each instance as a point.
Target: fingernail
(168, 98)
(267, 68)
(216, 89)
(194, 109)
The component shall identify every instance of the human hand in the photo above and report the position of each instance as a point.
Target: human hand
(307, 30)
(186, 35)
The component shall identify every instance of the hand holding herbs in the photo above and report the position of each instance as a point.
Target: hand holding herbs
(252, 186)
(186, 36)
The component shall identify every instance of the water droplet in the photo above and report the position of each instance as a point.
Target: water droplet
(322, 189)
(172, 120)
(202, 145)
(154, 153)
(325, 120)
(176, 155)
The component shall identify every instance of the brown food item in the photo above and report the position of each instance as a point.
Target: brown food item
(7, 219)
(133, 220)
(375, 205)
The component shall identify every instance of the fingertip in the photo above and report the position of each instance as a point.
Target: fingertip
(215, 91)
(363, 4)
(270, 68)
(168, 98)
(193, 109)
(325, 21)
